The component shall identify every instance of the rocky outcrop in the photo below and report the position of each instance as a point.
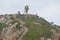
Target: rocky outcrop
(12, 33)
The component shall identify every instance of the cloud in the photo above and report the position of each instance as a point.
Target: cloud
(49, 9)
(51, 12)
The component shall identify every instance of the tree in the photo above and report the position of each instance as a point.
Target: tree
(26, 8)
(19, 13)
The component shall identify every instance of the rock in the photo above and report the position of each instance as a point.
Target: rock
(12, 33)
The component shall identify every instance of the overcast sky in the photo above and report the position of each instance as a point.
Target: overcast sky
(48, 9)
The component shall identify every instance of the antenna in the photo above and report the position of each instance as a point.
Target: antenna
(27, 2)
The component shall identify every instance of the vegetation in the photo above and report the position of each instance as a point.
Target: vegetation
(26, 8)
(36, 31)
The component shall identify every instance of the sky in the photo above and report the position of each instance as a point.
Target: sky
(48, 9)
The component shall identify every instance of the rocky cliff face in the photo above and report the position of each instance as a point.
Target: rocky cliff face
(14, 31)
(28, 28)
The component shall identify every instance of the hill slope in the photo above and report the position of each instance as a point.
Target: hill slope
(37, 27)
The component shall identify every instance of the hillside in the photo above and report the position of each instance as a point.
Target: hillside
(35, 26)
(38, 27)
